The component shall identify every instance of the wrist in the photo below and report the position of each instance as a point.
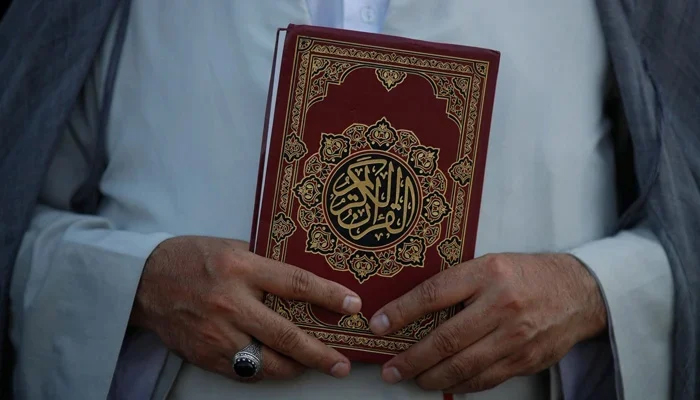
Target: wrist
(137, 318)
(592, 318)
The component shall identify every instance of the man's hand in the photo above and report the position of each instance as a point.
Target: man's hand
(202, 296)
(522, 314)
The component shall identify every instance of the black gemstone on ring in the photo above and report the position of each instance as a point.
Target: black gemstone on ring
(244, 367)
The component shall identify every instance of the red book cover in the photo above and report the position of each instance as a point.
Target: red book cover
(371, 172)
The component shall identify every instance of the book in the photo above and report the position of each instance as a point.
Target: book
(371, 172)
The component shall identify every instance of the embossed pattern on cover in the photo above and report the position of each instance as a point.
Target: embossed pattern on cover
(373, 173)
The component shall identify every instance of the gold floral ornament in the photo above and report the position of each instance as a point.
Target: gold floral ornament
(390, 78)
(363, 266)
(448, 88)
(462, 85)
(334, 147)
(356, 134)
(276, 252)
(355, 321)
(407, 140)
(328, 72)
(295, 311)
(418, 329)
(451, 250)
(340, 339)
(430, 233)
(308, 191)
(294, 148)
(304, 44)
(381, 135)
(424, 160)
(462, 171)
(338, 260)
(443, 316)
(318, 65)
(459, 212)
(320, 240)
(435, 208)
(284, 188)
(435, 183)
(309, 216)
(314, 166)
(411, 252)
(388, 266)
(409, 60)
(282, 227)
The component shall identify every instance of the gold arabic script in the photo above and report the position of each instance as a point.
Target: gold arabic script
(372, 199)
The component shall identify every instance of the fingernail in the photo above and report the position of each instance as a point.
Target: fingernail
(341, 369)
(391, 375)
(379, 324)
(352, 304)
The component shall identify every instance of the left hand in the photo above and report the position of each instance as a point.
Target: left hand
(523, 313)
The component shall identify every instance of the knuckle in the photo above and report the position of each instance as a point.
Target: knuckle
(511, 300)
(528, 358)
(287, 339)
(222, 259)
(272, 368)
(299, 282)
(426, 383)
(211, 333)
(219, 303)
(480, 384)
(231, 261)
(498, 268)
(199, 354)
(409, 367)
(401, 313)
(289, 372)
(276, 368)
(195, 358)
(428, 292)
(458, 369)
(446, 341)
(523, 331)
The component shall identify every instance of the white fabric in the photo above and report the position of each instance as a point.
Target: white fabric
(184, 143)
(357, 15)
(638, 294)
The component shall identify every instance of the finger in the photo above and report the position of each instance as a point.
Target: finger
(286, 338)
(464, 329)
(443, 290)
(498, 373)
(468, 363)
(294, 283)
(275, 365)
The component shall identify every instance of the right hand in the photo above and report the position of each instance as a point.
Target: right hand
(202, 296)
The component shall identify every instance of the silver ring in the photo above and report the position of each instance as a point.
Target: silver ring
(247, 363)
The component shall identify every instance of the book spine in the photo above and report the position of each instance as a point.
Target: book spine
(263, 147)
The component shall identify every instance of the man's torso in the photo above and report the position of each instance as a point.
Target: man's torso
(187, 120)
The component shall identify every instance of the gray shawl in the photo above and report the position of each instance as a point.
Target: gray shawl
(655, 51)
(47, 47)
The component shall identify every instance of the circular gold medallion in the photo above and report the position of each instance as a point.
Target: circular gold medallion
(372, 200)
